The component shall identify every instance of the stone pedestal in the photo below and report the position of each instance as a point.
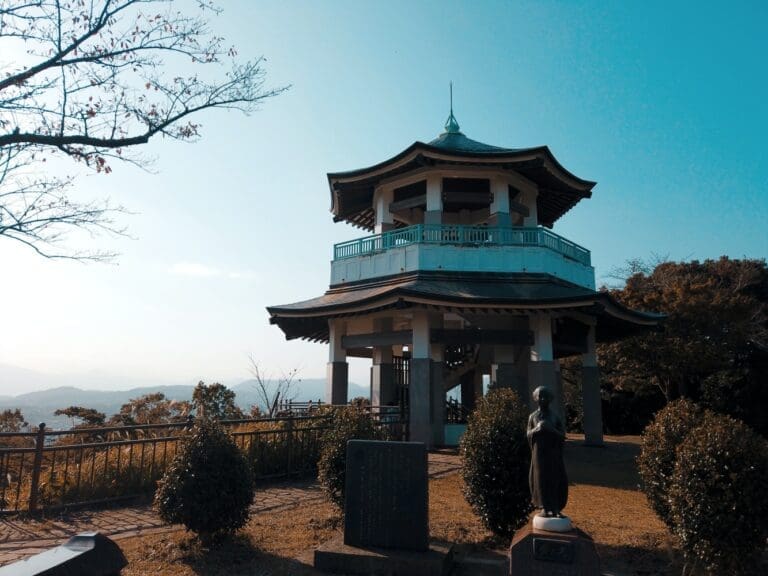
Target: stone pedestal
(386, 519)
(539, 553)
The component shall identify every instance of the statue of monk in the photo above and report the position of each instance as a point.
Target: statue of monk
(546, 435)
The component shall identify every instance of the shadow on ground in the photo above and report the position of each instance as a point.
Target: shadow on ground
(233, 556)
(611, 466)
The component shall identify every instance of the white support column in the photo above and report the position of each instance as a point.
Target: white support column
(590, 390)
(529, 199)
(382, 198)
(500, 205)
(434, 213)
(541, 351)
(541, 368)
(336, 388)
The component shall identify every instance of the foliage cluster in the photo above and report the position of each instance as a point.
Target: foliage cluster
(719, 496)
(717, 318)
(706, 476)
(344, 424)
(660, 440)
(495, 459)
(208, 486)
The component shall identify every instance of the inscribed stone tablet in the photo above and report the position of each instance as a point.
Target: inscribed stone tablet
(386, 502)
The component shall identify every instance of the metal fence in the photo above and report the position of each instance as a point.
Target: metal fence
(51, 469)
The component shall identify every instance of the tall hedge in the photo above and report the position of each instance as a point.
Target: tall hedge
(719, 496)
(208, 486)
(344, 424)
(660, 440)
(495, 460)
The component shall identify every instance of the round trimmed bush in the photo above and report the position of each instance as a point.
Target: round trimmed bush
(345, 424)
(660, 440)
(495, 459)
(719, 496)
(208, 486)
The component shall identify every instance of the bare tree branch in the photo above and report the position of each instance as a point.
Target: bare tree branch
(102, 78)
(271, 392)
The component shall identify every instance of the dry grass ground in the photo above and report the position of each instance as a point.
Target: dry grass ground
(604, 502)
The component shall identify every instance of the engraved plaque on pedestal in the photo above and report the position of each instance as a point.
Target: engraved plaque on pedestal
(385, 499)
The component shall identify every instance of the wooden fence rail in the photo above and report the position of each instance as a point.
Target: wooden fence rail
(50, 469)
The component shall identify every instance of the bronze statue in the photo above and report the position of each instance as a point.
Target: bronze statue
(547, 477)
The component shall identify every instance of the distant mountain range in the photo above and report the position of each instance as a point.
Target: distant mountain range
(40, 405)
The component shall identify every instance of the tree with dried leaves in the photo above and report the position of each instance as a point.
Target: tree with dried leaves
(93, 81)
(88, 417)
(272, 392)
(717, 321)
(215, 401)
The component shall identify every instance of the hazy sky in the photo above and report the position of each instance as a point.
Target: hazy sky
(662, 103)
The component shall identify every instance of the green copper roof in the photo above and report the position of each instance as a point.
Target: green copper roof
(456, 141)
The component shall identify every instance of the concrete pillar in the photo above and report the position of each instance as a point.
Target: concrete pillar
(337, 376)
(590, 390)
(434, 213)
(383, 391)
(437, 396)
(541, 369)
(419, 413)
(382, 198)
(499, 208)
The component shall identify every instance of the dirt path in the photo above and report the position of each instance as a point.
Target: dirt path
(22, 537)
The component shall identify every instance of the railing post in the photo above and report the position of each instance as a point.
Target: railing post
(290, 445)
(36, 466)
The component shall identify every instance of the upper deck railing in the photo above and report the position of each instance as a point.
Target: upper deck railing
(470, 236)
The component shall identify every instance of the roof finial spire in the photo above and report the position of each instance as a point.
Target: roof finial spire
(451, 125)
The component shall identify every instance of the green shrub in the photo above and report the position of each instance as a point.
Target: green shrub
(719, 496)
(345, 424)
(660, 440)
(495, 460)
(208, 486)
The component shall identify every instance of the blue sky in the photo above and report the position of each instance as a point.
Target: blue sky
(663, 104)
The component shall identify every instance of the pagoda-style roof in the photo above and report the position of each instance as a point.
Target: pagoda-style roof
(559, 189)
(474, 293)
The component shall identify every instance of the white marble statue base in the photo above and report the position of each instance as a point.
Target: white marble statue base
(552, 524)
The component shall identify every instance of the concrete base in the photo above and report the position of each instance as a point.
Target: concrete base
(536, 552)
(336, 385)
(383, 392)
(336, 557)
(541, 373)
(550, 524)
(419, 401)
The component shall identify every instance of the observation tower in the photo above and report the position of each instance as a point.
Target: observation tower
(460, 276)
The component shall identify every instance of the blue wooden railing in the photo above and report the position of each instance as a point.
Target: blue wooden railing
(468, 236)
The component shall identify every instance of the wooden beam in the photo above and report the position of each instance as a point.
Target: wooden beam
(494, 337)
(376, 339)
(519, 208)
(467, 197)
(408, 203)
(360, 352)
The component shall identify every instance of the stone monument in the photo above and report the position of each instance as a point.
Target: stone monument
(386, 528)
(550, 545)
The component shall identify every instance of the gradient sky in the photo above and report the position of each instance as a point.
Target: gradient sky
(662, 103)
